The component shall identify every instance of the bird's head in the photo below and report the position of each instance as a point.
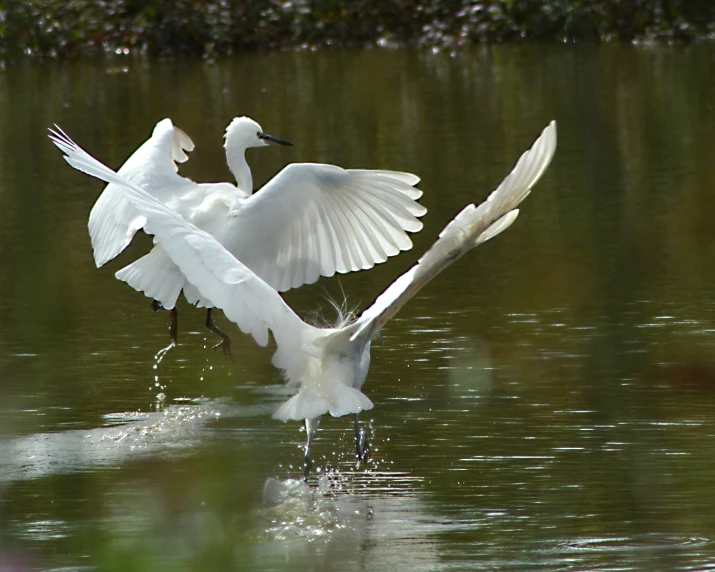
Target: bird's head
(245, 132)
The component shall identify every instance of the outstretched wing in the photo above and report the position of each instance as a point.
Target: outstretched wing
(471, 227)
(314, 219)
(246, 299)
(113, 221)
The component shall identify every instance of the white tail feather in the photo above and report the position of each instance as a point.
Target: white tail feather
(309, 403)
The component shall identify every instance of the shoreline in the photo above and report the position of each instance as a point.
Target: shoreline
(56, 29)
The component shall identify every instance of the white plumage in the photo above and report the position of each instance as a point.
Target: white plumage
(309, 220)
(328, 366)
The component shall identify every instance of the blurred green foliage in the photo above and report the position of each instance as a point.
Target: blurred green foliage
(64, 28)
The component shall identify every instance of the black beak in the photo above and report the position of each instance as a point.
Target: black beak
(274, 140)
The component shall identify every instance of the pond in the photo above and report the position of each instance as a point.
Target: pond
(547, 403)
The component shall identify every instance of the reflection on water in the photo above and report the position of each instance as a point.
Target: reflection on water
(329, 526)
(547, 403)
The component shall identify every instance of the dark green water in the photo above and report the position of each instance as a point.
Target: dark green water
(548, 403)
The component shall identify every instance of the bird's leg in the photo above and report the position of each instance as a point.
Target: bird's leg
(173, 325)
(362, 447)
(225, 343)
(173, 319)
(311, 426)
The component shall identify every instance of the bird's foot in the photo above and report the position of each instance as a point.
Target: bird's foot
(225, 345)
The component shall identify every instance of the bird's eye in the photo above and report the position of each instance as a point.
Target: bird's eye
(258, 134)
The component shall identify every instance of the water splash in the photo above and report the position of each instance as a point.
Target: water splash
(158, 357)
(162, 353)
(327, 526)
(126, 435)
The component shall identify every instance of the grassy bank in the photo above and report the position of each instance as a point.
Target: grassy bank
(66, 28)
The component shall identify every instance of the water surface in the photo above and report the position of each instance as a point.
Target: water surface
(548, 403)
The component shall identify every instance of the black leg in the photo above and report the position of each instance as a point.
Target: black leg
(362, 447)
(173, 325)
(173, 319)
(225, 343)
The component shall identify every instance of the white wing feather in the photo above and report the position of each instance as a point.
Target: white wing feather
(113, 221)
(310, 220)
(315, 219)
(471, 227)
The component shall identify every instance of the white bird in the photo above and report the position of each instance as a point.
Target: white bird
(327, 366)
(309, 220)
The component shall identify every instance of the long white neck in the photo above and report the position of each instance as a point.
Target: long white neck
(236, 158)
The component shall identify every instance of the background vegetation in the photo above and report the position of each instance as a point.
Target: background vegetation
(63, 28)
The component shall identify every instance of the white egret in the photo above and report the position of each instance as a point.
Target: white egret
(309, 220)
(327, 366)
